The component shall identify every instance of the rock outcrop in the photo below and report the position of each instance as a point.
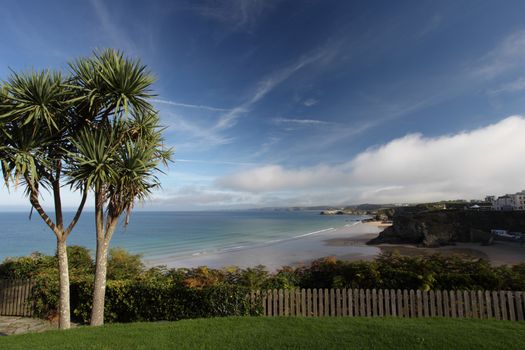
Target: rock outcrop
(444, 227)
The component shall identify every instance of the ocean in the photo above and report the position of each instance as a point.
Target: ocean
(176, 234)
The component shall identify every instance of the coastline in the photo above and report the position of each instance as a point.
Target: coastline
(300, 250)
(345, 243)
(499, 253)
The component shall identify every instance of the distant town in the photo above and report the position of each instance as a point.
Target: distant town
(508, 202)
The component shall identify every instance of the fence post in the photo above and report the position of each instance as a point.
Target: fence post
(425, 303)
(338, 312)
(281, 302)
(503, 301)
(400, 306)
(393, 306)
(387, 303)
(326, 302)
(320, 302)
(419, 304)
(495, 304)
(367, 303)
(309, 302)
(381, 303)
(519, 305)
(474, 304)
(439, 302)
(488, 304)
(350, 302)
(412, 297)
(345, 300)
(466, 303)
(481, 304)
(362, 306)
(510, 297)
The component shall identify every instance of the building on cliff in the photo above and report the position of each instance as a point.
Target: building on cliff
(509, 202)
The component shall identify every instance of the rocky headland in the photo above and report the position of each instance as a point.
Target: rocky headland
(434, 228)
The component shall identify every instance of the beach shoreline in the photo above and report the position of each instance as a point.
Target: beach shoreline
(346, 243)
(296, 251)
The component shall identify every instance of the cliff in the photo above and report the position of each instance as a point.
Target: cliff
(442, 227)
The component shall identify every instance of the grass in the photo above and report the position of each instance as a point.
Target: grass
(284, 333)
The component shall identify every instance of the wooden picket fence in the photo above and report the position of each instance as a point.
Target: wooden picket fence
(15, 298)
(501, 305)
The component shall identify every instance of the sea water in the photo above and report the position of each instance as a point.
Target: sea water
(175, 234)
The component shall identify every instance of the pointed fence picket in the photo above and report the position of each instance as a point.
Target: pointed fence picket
(504, 305)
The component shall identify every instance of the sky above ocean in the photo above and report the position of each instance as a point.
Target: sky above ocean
(314, 102)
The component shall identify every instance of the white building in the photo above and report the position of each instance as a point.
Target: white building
(510, 202)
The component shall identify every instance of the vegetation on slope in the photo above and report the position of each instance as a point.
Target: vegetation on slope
(135, 293)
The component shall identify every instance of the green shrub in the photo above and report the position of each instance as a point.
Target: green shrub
(155, 300)
(79, 258)
(123, 265)
(136, 294)
(27, 267)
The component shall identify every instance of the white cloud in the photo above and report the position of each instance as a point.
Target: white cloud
(272, 178)
(487, 160)
(199, 197)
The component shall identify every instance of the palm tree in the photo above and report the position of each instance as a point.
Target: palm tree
(119, 150)
(37, 125)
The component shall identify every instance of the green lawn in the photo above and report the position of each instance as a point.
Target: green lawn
(284, 333)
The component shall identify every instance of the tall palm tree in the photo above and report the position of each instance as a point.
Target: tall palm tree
(37, 125)
(119, 150)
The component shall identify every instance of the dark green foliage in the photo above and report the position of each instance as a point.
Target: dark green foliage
(79, 258)
(123, 265)
(27, 266)
(137, 294)
(155, 300)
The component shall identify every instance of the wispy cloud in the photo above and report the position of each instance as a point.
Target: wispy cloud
(265, 147)
(304, 122)
(310, 102)
(431, 25)
(187, 105)
(225, 162)
(508, 54)
(196, 136)
(237, 14)
(108, 24)
(269, 83)
(513, 86)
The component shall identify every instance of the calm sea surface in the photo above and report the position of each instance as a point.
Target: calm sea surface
(159, 234)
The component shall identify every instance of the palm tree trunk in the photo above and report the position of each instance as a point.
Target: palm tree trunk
(99, 288)
(63, 269)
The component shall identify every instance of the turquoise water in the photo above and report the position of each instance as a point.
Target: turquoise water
(160, 234)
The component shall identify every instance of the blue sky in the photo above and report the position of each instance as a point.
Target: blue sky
(278, 103)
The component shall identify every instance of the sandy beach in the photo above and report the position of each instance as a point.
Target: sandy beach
(347, 243)
(292, 252)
